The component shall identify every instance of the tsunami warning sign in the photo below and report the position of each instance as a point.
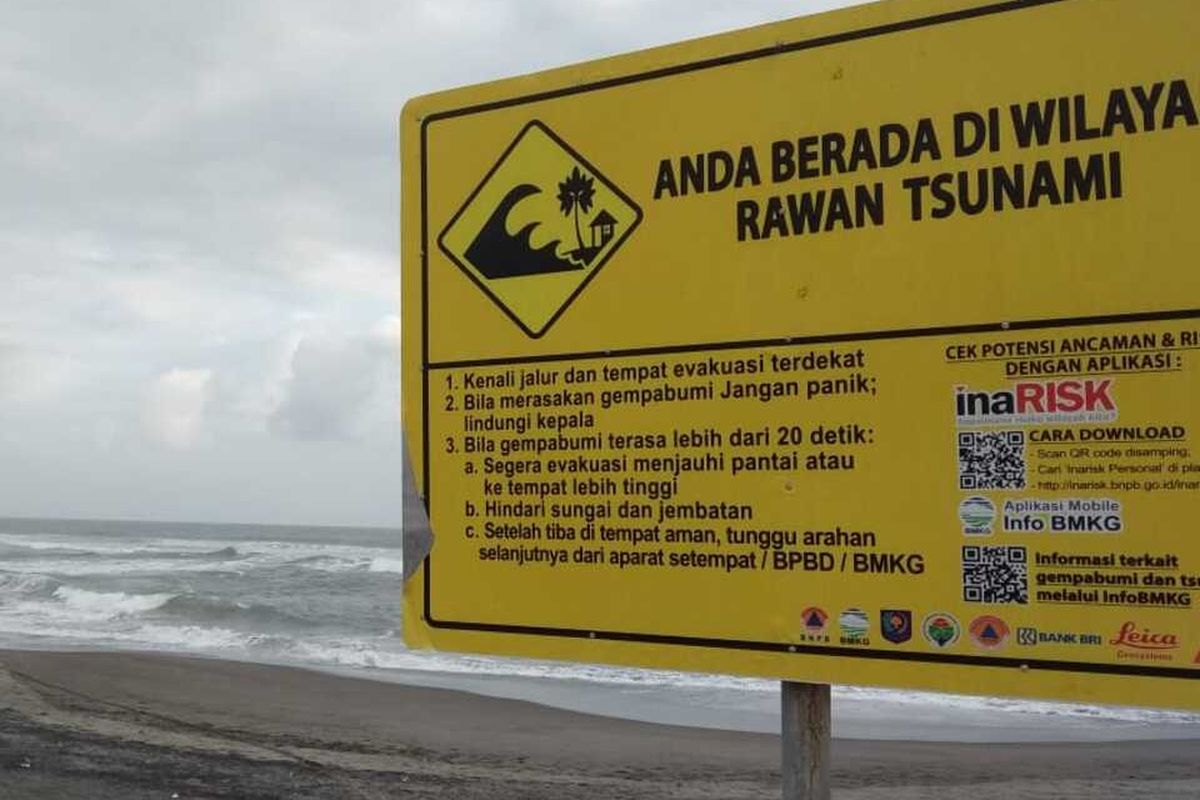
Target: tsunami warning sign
(857, 348)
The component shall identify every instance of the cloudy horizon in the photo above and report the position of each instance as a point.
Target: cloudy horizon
(199, 229)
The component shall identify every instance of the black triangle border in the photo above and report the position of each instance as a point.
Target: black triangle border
(470, 273)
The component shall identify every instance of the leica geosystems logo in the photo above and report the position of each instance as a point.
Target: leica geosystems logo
(1144, 638)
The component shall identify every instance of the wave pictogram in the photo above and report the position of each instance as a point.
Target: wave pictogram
(499, 254)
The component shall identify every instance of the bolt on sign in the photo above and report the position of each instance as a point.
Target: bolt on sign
(861, 347)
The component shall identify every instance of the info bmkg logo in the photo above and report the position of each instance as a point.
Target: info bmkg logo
(538, 228)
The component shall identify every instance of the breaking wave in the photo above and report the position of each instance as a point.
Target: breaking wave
(107, 605)
(207, 610)
(327, 598)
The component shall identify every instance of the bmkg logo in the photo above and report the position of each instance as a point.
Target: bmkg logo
(538, 228)
(977, 514)
(855, 626)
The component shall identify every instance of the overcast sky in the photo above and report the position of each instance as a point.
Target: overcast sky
(199, 237)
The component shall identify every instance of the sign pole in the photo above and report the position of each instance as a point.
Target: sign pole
(806, 736)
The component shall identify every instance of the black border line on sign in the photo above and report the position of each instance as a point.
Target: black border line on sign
(740, 644)
(835, 338)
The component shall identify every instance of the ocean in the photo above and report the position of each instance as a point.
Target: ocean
(329, 598)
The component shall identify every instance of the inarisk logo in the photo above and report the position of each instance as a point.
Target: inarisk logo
(1083, 400)
(1144, 639)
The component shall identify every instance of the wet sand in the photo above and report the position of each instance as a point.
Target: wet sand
(120, 725)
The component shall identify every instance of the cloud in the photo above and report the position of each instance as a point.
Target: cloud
(341, 387)
(30, 378)
(199, 238)
(174, 410)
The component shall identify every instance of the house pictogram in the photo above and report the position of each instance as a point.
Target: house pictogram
(605, 223)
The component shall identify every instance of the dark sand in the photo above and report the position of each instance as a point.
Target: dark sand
(131, 726)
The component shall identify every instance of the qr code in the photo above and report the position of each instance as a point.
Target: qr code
(997, 574)
(991, 460)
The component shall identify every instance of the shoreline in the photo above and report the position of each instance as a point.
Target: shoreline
(133, 725)
(859, 713)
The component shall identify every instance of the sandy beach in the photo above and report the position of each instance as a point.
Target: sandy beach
(120, 725)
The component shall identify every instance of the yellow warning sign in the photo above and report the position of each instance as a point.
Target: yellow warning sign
(889, 376)
(538, 228)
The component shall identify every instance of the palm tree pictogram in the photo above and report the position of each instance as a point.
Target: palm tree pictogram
(575, 194)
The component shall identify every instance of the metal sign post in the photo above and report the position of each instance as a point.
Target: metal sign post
(806, 736)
